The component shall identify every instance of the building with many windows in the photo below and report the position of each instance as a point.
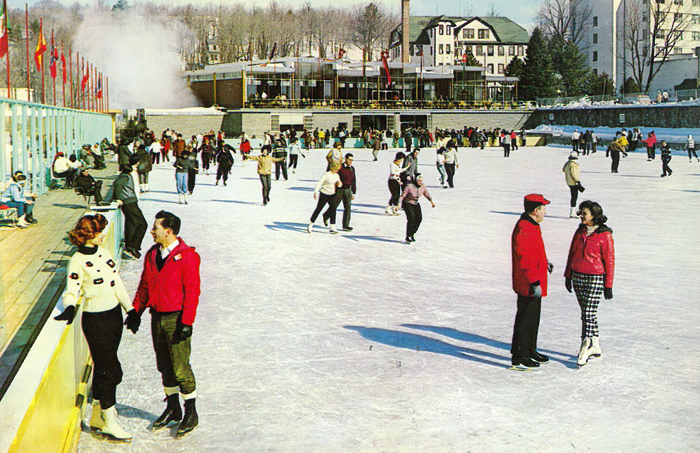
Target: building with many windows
(443, 40)
(613, 24)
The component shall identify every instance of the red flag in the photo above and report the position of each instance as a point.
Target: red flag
(54, 58)
(385, 55)
(40, 49)
(4, 39)
(341, 53)
(85, 80)
(63, 65)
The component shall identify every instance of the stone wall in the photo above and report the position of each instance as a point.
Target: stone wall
(187, 125)
(650, 116)
(482, 119)
(329, 120)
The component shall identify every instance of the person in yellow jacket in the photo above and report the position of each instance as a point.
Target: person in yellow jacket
(572, 171)
(265, 170)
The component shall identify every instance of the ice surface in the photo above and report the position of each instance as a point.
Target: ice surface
(676, 135)
(360, 343)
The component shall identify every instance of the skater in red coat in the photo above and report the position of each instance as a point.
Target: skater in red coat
(530, 268)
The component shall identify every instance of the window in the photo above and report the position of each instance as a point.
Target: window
(511, 51)
(521, 50)
(501, 68)
(457, 52)
(678, 2)
(441, 49)
(489, 68)
(696, 36)
(431, 50)
(678, 17)
(467, 49)
(479, 51)
(595, 38)
(696, 18)
(447, 49)
(661, 34)
(449, 30)
(501, 51)
(483, 34)
(595, 20)
(442, 30)
(696, 2)
(489, 51)
(470, 32)
(677, 51)
(595, 71)
(595, 56)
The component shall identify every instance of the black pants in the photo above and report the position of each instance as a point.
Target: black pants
(450, 169)
(206, 158)
(191, 179)
(692, 150)
(527, 324)
(651, 152)
(615, 155)
(414, 217)
(293, 160)
(135, 226)
(574, 195)
(155, 158)
(103, 332)
(324, 199)
(395, 189)
(506, 150)
(344, 195)
(266, 181)
(665, 167)
(283, 166)
(222, 171)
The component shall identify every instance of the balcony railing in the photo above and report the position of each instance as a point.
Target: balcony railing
(380, 105)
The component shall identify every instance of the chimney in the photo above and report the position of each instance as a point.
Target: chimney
(405, 58)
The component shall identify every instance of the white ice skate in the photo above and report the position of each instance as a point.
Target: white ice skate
(310, 228)
(96, 422)
(584, 353)
(594, 350)
(111, 428)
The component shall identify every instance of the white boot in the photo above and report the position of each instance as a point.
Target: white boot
(584, 353)
(111, 427)
(22, 222)
(572, 214)
(179, 198)
(184, 196)
(595, 350)
(389, 209)
(310, 228)
(333, 230)
(96, 422)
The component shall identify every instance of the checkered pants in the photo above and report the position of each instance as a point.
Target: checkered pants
(588, 289)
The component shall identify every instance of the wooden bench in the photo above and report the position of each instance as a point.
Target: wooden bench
(8, 214)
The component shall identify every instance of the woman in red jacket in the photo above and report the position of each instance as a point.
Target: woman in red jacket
(589, 272)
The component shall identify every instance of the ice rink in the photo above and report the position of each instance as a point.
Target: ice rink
(357, 342)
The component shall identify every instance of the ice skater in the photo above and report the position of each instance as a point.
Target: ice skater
(182, 167)
(346, 192)
(327, 186)
(690, 146)
(530, 269)
(572, 172)
(225, 161)
(590, 269)
(614, 150)
(440, 163)
(264, 170)
(173, 307)
(396, 168)
(294, 151)
(409, 200)
(665, 159)
(451, 162)
(92, 274)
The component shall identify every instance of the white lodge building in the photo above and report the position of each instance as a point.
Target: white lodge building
(442, 40)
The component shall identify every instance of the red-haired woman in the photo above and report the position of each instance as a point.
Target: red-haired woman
(93, 272)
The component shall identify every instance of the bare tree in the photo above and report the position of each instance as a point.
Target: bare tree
(492, 11)
(371, 27)
(652, 33)
(567, 19)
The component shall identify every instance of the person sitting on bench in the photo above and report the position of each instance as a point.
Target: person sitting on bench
(89, 186)
(65, 168)
(14, 198)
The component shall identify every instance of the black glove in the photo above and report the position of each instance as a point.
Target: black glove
(133, 320)
(580, 187)
(536, 290)
(67, 315)
(550, 267)
(608, 293)
(182, 332)
(567, 283)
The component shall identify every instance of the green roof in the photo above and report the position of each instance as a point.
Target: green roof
(505, 29)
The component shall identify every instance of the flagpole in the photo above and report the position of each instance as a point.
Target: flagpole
(107, 92)
(82, 90)
(7, 39)
(43, 71)
(91, 85)
(53, 53)
(63, 72)
(26, 27)
(70, 71)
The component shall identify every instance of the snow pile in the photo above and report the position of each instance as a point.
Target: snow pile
(190, 111)
(671, 135)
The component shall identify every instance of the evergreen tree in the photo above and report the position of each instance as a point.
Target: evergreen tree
(539, 79)
(631, 86)
(571, 64)
(516, 68)
(601, 84)
(471, 59)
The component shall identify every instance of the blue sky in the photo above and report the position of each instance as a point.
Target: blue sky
(520, 11)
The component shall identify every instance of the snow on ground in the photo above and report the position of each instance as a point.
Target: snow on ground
(676, 135)
(360, 343)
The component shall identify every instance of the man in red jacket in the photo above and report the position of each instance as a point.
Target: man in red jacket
(530, 267)
(170, 287)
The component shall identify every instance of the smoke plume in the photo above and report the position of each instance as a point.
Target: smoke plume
(140, 56)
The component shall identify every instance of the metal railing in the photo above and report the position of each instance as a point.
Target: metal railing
(31, 135)
(629, 98)
(393, 105)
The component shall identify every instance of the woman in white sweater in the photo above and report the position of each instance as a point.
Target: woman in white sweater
(327, 185)
(92, 274)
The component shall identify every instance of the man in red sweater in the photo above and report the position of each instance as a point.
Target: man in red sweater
(170, 287)
(530, 268)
